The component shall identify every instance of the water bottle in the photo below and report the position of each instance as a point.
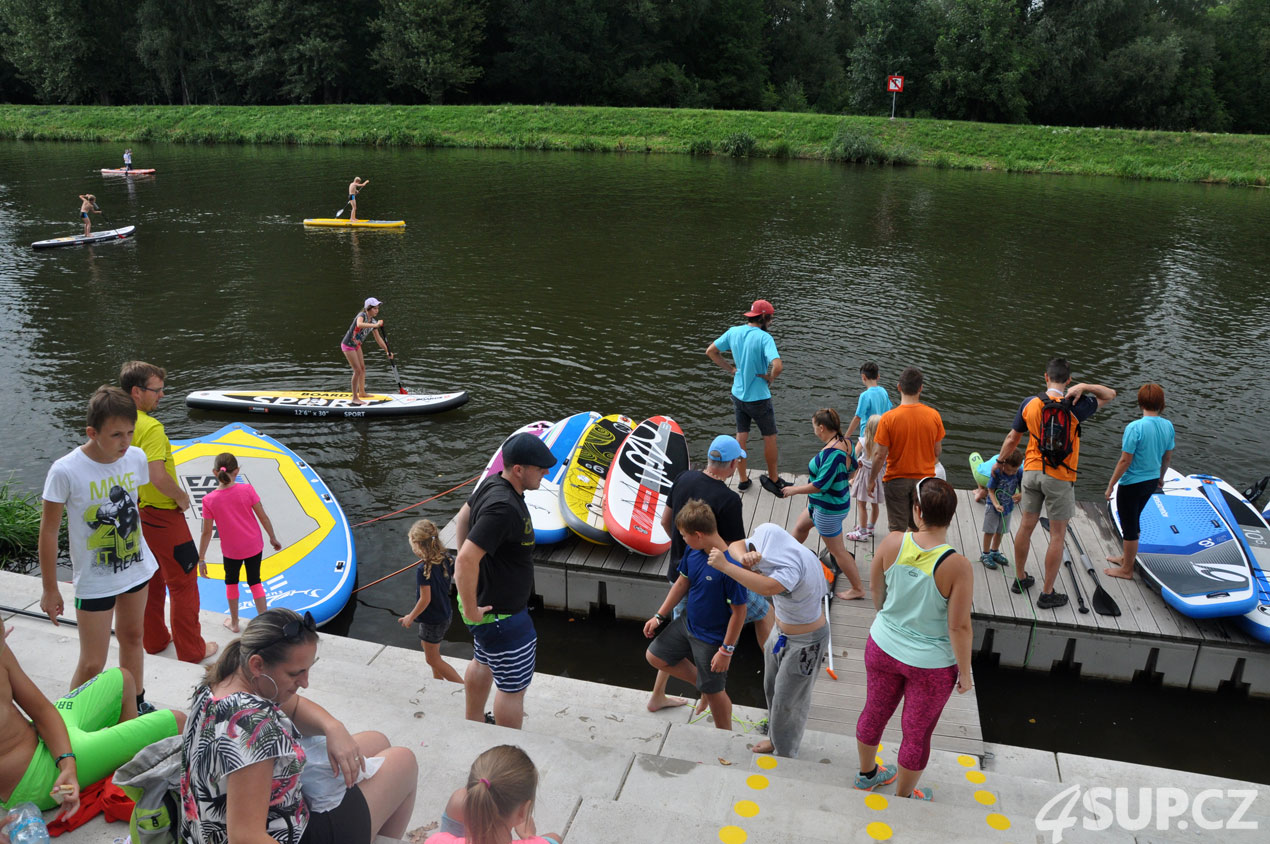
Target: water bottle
(25, 825)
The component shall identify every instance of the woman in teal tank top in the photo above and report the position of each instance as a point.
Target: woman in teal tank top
(828, 492)
(919, 644)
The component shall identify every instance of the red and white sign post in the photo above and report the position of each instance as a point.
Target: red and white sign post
(894, 84)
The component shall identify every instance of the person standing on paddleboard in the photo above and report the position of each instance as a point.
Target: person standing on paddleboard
(127, 160)
(355, 187)
(365, 323)
(88, 205)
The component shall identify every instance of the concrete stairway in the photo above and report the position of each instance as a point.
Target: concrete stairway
(613, 772)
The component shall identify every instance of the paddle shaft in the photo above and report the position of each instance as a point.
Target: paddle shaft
(1080, 596)
(340, 212)
(392, 361)
(1103, 603)
(40, 615)
(829, 639)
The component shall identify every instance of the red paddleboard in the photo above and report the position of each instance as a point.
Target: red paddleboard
(119, 171)
(637, 489)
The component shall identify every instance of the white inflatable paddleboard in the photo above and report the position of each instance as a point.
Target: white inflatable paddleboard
(637, 489)
(1190, 554)
(84, 240)
(495, 464)
(582, 486)
(315, 570)
(320, 404)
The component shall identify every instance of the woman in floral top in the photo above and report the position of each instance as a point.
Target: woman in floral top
(242, 756)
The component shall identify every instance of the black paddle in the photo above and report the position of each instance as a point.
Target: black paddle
(1080, 596)
(1103, 603)
(392, 361)
(1254, 492)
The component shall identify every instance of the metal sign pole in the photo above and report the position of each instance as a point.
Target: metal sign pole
(893, 96)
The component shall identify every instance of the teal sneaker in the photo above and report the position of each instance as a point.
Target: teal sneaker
(882, 775)
(1000, 558)
(922, 794)
(988, 560)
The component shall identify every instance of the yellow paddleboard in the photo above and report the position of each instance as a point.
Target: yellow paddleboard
(360, 224)
(582, 487)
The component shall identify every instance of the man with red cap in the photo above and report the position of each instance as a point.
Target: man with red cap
(755, 364)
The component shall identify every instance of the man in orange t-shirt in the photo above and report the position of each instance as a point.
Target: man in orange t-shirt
(909, 441)
(1055, 486)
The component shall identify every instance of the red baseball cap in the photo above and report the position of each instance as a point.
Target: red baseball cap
(761, 307)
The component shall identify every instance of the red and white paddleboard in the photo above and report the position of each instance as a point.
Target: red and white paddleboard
(637, 489)
(119, 171)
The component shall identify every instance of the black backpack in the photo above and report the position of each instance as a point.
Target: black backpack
(1059, 431)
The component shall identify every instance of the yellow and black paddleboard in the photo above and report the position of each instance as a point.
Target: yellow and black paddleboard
(582, 487)
(315, 570)
(336, 222)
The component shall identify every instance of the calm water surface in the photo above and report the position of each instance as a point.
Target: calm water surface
(546, 284)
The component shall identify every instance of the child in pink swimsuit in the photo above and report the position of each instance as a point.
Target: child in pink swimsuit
(496, 805)
(236, 507)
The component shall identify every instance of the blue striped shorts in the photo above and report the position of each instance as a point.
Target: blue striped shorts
(509, 648)
(827, 524)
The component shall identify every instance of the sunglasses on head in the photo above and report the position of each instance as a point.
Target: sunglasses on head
(292, 629)
(917, 490)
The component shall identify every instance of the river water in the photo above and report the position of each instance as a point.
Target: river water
(548, 283)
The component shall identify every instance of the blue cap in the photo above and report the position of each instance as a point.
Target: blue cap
(725, 448)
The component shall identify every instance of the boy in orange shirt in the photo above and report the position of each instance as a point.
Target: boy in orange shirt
(908, 442)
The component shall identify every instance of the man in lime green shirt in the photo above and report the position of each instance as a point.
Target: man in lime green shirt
(163, 523)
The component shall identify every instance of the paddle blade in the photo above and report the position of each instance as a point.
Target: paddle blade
(1104, 604)
(340, 213)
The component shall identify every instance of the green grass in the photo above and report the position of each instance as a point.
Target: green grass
(19, 527)
(1172, 156)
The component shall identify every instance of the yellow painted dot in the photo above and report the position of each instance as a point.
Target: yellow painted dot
(758, 782)
(967, 761)
(766, 762)
(976, 777)
(878, 831)
(987, 798)
(877, 759)
(746, 808)
(875, 801)
(998, 821)
(880, 748)
(732, 835)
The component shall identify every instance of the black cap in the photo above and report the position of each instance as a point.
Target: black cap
(527, 450)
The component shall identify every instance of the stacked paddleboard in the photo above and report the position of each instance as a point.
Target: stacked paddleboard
(320, 404)
(611, 481)
(315, 570)
(1207, 550)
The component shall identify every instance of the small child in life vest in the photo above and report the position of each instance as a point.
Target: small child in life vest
(1002, 493)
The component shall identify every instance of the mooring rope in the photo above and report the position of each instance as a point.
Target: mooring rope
(419, 503)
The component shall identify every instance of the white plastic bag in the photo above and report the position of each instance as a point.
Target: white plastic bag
(323, 790)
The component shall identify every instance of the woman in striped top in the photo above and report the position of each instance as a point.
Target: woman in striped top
(828, 491)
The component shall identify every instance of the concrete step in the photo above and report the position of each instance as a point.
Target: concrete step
(808, 811)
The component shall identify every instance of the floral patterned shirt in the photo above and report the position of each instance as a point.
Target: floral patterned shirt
(224, 735)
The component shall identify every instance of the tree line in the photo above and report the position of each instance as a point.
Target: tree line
(1161, 64)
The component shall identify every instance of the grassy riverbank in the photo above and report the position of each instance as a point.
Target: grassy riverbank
(1173, 156)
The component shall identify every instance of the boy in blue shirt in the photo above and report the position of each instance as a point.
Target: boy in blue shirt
(697, 647)
(873, 400)
(755, 364)
(1002, 493)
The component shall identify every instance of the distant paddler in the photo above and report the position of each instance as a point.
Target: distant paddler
(365, 323)
(88, 205)
(354, 188)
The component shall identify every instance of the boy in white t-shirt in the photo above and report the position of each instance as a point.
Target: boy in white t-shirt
(96, 485)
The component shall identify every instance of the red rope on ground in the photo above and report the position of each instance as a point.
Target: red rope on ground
(419, 503)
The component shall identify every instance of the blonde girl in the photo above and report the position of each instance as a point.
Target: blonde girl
(236, 509)
(433, 608)
(865, 494)
(497, 804)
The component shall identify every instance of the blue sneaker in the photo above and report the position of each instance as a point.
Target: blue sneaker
(882, 775)
(1000, 558)
(921, 794)
(988, 560)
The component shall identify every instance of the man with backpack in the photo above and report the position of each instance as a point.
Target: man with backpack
(1052, 421)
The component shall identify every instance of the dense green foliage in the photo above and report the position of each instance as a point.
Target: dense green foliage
(1176, 156)
(1169, 64)
(19, 527)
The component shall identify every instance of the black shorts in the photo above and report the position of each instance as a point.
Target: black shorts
(761, 413)
(347, 823)
(674, 644)
(108, 603)
(253, 569)
(1131, 500)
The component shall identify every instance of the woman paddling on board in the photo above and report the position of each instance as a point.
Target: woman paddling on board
(365, 323)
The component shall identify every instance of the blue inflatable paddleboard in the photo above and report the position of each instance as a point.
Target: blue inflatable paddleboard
(1190, 554)
(1251, 528)
(544, 502)
(315, 570)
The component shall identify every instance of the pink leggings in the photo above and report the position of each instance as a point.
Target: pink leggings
(924, 690)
